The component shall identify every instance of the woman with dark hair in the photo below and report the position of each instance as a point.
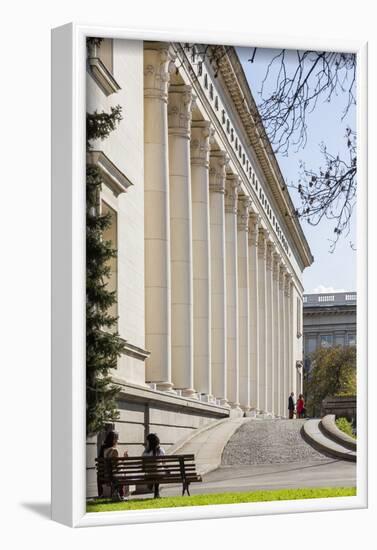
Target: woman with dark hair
(109, 449)
(153, 448)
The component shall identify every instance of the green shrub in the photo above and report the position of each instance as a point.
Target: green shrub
(345, 426)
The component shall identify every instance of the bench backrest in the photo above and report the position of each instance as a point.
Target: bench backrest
(175, 468)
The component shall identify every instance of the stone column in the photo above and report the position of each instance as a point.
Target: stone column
(262, 295)
(156, 215)
(232, 186)
(290, 336)
(243, 302)
(200, 135)
(283, 395)
(277, 313)
(287, 389)
(254, 311)
(270, 327)
(217, 175)
(179, 117)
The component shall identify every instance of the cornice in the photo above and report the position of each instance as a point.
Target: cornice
(235, 80)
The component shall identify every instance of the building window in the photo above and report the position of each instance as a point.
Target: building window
(111, 234)
(228, 125)
(232, 135)
(101, 64)
(217, 103)
(339, 340)
(351, 338)
(310, 344)
(211, 91)
(223, 116)
(200, 68)
(326, 340)
(206, 82)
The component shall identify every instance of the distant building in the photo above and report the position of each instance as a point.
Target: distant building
(329, 320)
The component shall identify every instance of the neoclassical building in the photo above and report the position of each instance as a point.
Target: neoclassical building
(210, 257)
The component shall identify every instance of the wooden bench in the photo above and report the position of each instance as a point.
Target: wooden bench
(149, 470)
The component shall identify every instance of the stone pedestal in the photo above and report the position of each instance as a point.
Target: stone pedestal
(179, 117)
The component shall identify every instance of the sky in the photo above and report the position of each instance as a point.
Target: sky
(330, 271)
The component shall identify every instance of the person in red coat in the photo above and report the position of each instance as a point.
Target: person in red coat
(300, 406)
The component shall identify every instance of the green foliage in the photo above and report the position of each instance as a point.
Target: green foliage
(107, 505)
(333, 374)
(345, 426)
(103, 344)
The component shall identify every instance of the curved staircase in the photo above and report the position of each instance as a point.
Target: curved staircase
(325, 436)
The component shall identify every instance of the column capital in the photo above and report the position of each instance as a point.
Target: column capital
(201, 132)
(262, 242)
(254, 220)
(158, 57)
(179, 110)
(217, 174)
(282, 273)
(276, 265)
(270, 255)
(287, 284)
(231, 193)
(244, 205)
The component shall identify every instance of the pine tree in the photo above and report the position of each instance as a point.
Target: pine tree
(103, 344)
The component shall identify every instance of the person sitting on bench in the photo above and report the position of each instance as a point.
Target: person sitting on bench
(109, 449)
(153, 449)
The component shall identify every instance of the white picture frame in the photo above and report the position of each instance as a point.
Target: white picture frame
(68, 278)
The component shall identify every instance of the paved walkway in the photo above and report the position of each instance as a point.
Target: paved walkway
(326, 473)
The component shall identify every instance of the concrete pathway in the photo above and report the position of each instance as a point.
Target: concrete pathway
(327, 473)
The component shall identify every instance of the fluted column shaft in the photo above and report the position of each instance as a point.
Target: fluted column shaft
(277, 313)
(157, 217)
(179, 117)
(254, 311)
(243, 303)
(287, 389)
(200, 135)
(262, 295)
(289, 336)
(270, 328)
(217, 177)
(283, 390)
(232, 185)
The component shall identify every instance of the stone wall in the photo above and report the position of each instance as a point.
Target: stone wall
(340, 406)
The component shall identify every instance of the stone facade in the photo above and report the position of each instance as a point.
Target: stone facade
(329, 320)
(209, 268)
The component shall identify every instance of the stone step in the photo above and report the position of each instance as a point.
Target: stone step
(313, 434)
(330, 429)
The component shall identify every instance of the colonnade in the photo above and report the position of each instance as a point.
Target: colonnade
(218, 310)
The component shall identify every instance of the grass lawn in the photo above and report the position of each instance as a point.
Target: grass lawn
(106, 505)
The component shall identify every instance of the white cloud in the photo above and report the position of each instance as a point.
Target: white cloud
(321, 289)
